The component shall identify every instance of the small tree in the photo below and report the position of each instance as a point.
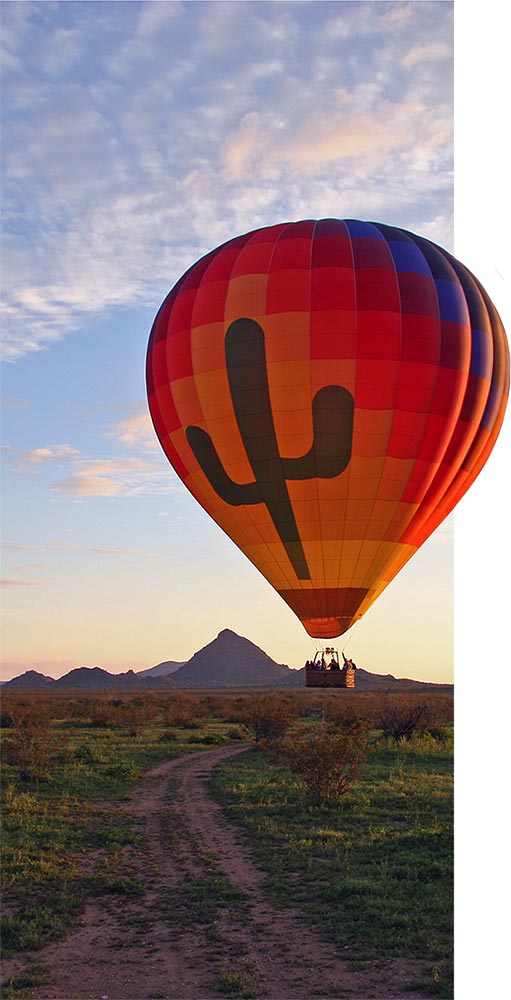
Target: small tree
(268, 717)
(137, 714)
(352, 715)
(32, 743)
(400, 718)
(325, 760)
(186, 712)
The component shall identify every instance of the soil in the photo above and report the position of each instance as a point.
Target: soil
(165, 944)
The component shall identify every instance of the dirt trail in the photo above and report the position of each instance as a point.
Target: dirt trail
(202, 925)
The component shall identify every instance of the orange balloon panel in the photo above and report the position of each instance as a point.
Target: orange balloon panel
(328, 391)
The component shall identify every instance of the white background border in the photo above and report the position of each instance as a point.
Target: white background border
(481, 523)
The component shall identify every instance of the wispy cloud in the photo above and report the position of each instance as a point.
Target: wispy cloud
(426, 53)
(14, 403)
(132, 471)
(104, 477)
(121, 552)
(53, 453)
(136, 431)
(15, 547)
(318, 141)
(170, 146)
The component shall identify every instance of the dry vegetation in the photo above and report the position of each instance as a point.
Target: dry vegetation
(68, 761)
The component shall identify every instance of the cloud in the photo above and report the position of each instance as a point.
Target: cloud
(198, 121)
(61, 51)
(108, 466)
(121, 552)
(109, 478)
(136, 431)
(15, 547)
(83, 485)
(68, 546)
(319, 141)
(396, 15)
(54, 453)
(19, 583)
(242, 144)
(123, 474)
(13, 403)
(432, 52)
(155, 17)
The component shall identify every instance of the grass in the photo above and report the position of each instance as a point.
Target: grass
(200, 903)
(199, 899)
(242, 985)
(374, 870)
(60, 837)
(20, 986)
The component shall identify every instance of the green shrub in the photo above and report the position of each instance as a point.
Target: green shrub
(169, 736)
(235, 733)
(325, 760)
(32, 745)
(268, 717)
(399, 718)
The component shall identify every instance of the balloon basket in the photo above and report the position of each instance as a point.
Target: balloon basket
(329, 679)
(322, 674)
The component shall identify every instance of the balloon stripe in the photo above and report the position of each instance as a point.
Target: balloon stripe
(328, 390)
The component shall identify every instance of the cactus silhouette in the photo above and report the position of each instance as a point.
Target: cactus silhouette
(329, 455)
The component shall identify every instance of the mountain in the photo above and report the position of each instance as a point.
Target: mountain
(230, 661)
(162, 669)
(95, 679)
(31, 680)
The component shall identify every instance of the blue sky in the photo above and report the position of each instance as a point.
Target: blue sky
(136, 137)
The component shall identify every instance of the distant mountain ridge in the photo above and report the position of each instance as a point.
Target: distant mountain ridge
(161, 669)
(30, 680)
(229, 661)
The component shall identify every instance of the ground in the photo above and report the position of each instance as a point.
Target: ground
(200, 923)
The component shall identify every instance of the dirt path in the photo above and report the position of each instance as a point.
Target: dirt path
(201, 925)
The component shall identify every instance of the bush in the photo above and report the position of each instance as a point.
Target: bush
(268, 717)
(400, 718)
(349, 716)
(169, 736)
(32, 745)
(103, 713)
(325, 760)
(84, 754)
(235, 733)
(6, 719)
(137, 714)
(186, 713)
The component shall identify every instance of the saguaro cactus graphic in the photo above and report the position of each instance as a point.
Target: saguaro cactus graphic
(329, 455)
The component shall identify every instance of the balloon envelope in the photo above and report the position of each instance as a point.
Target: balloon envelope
(328, 390)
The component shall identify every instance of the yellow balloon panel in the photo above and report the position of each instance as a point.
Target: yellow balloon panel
(328, 390)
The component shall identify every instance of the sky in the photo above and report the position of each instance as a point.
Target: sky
(136, 137)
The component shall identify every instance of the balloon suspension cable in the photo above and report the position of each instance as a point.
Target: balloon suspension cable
(350, 636)
(319, 644)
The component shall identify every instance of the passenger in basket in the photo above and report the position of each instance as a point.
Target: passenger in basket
(349, 664)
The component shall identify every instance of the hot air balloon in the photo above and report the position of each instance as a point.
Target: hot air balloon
(328, 390)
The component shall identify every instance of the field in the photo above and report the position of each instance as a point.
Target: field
(366, 874)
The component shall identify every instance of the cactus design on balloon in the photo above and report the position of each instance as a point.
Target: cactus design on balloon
(329, 455)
